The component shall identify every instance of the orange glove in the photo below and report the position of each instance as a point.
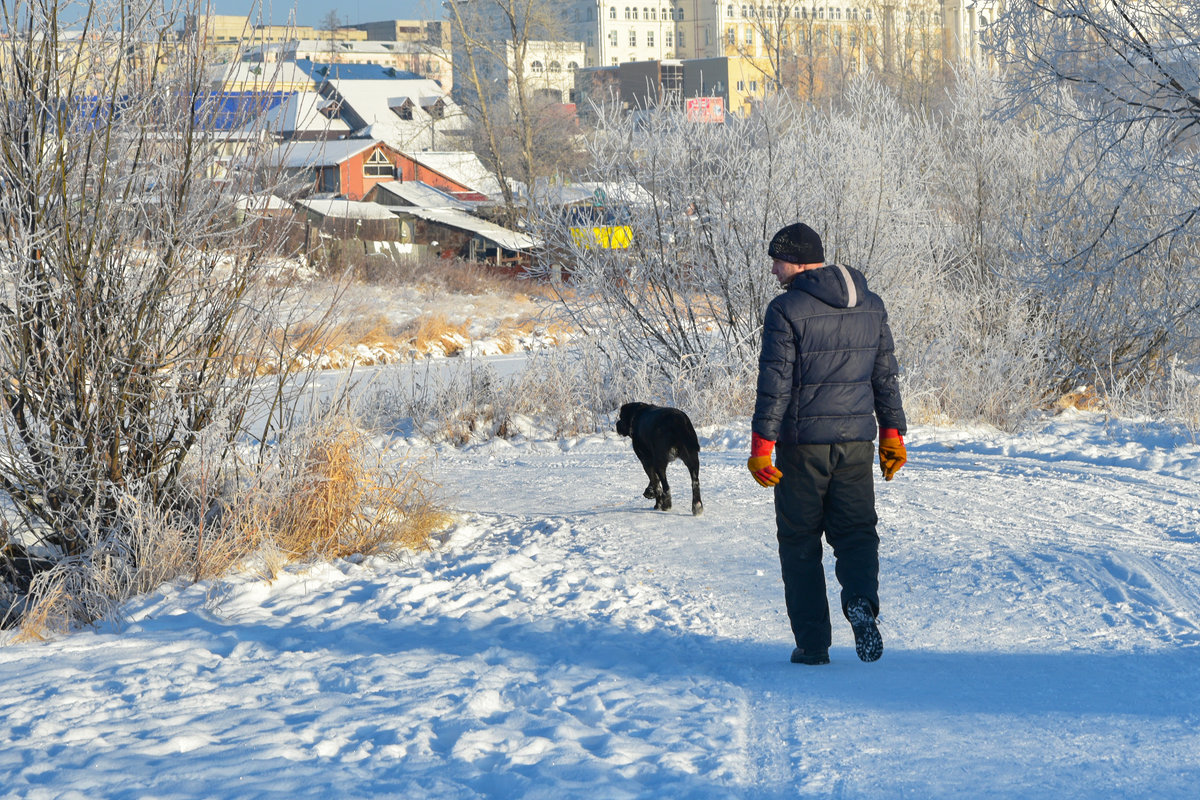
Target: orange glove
(759, 462)
(892, 455)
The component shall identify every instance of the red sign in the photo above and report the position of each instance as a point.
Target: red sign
(705, 109)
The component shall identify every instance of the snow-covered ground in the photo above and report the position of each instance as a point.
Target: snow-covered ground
(1041, 618)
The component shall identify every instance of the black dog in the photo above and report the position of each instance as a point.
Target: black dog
(660, 435)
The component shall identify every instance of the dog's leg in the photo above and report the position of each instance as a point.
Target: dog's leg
(664, 496)
(692, 460)
(651, 492)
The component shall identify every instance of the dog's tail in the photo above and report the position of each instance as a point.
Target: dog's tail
(693, 440)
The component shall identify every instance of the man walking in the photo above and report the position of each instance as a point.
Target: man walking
(827, 376)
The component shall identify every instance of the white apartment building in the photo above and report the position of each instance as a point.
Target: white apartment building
(550, 68)
(619, 31)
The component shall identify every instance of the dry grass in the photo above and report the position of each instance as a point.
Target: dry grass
(433, 332)
(329, 495)
(335, 500)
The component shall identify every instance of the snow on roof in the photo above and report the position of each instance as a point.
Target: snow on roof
(346, 209)
(371, 100)
(461, 167)
(262, 202)
(278, 75)
(596, 192)
(368, 46)
(422, 195)
(498, 234)
(297, 155)
(300, 111)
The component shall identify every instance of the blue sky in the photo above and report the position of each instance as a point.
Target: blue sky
(314, 12)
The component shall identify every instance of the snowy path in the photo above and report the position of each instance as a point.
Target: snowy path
(1041, 619)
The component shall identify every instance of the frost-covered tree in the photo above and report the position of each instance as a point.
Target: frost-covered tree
(919, 203)
(135, 308)
(1115, 249)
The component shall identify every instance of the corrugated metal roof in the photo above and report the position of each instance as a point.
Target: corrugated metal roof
(346, 209)
(498, 234)
(356, 72)
(422, 195)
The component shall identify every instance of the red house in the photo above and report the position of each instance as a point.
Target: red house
(351, 167)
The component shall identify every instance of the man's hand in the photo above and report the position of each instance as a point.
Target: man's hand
(759, 462)
(892, 455)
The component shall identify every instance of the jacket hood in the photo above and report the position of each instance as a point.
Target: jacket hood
(833, 284)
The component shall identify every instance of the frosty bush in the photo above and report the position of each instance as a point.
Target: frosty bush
(134, 307)
(923, 206)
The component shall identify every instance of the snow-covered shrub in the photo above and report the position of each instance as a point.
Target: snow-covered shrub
(921, 206)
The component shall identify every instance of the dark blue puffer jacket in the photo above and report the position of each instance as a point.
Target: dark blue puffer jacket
(827, 372)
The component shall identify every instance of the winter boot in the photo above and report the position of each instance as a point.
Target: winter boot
(813, 658)
(867, 641)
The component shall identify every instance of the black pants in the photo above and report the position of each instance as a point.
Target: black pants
(829, 489)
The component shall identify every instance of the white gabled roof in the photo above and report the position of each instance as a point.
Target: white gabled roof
(422, 195)
(297, 155)
(460, 166)
(345, 209)
(371, 100)
(301, 112)
(506, 238)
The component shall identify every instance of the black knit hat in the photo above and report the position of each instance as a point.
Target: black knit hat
(797, 244)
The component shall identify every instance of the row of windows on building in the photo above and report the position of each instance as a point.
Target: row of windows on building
(796, 12)
(803, 36)
(650, 13)
(537, 68)
(669, 38)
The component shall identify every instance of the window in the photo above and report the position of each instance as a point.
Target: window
(646, 13)
(749, 36)
(653, 14)
(681, 41)
(572, 66)
(403, 110)
(729, 10)
(669, 39)
(741, 86)
(612, 38)
(612, 12)
(731, 36)
(437, 110)
(536, 68)
(555, 66)
(866, 13)
(378, 166)
(634, 10)
(744, 12)
(753, 87)
(627, 13)
(649, 38)
(633, 38)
